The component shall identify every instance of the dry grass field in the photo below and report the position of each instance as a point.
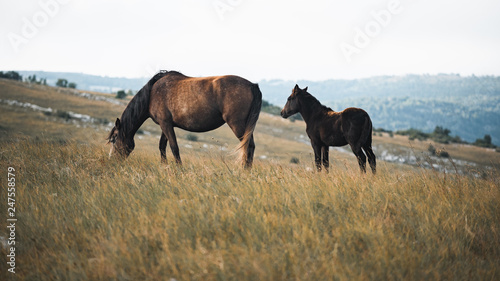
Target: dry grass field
(82, 216)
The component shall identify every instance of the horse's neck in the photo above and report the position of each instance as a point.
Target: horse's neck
(136, 113)
(310, 109)
(131, 126)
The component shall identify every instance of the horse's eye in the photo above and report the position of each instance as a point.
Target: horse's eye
(289, 98)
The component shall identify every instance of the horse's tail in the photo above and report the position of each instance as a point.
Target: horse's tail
(366, 134)
(252, 117)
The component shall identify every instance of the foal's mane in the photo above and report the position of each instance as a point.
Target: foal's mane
(311, 101)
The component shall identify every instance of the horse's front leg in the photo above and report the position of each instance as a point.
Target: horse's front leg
(168, 131)
(317, 156)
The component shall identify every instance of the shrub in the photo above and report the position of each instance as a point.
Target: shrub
(121, 94)
(431, 149)
(191, 137)
(443, 153)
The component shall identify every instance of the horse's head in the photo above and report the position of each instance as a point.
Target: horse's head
(292, 105)
(120, 146)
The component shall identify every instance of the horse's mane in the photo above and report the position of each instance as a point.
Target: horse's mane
(136, 111)
(173, 72)
(314, 102)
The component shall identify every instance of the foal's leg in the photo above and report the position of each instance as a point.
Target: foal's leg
(371, 158)
(163, 147)
(361, 157)
(317, 156)
(326, 157)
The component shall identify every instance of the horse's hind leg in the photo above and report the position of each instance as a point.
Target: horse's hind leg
(326, 157)
(250, 153)
(247, 151)
(371, 158)
(163, 148)
(361, 157)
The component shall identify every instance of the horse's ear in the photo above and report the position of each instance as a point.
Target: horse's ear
(117, 123)
(296, 87)
(305, 89)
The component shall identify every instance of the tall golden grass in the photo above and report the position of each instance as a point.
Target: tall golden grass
(82, 216)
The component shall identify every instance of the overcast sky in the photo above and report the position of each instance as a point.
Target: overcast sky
(256, 39)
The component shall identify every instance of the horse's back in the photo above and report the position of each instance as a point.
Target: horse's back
(354, 112)
(354, 115)
(230, 83)
(201, 103)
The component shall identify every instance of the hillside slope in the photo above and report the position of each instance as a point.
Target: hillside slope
(25, 112)
(80, 215)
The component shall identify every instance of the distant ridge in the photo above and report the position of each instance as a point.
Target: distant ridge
(468, 106)
(90, 82)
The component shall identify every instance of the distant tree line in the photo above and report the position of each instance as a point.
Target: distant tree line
(34, 80)
(440, 135)
(11, 75)
(64, 83)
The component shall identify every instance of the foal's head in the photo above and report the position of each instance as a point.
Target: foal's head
(292, 105)
(120, 146)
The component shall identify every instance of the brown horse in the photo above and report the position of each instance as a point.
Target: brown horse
(326, 128)
(172, 99)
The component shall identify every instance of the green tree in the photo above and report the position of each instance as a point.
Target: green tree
(62, 83)
(484, 142)
(11, 75)
(72, 85)
(121, 94)
(487, 139)
(32, 79)
(441, 131)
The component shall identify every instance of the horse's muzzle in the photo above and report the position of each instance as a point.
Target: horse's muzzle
(284, 114)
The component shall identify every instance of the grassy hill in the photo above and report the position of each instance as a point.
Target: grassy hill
(82, 216)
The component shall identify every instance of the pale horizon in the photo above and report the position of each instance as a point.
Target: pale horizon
(289, 40)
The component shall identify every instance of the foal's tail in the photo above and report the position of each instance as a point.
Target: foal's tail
(253, 116)
(366, 134)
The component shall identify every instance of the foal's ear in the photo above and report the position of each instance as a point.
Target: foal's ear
(117, 123)
(305, 89)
